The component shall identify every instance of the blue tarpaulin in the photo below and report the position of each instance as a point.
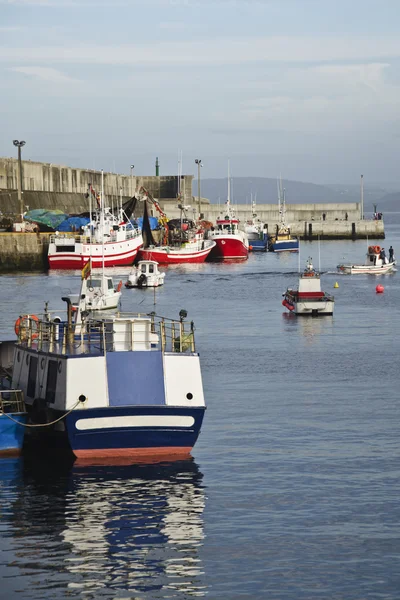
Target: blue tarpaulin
(73, 224)
(154, 224)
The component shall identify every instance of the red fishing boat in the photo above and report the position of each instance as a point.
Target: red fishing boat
(230, 242)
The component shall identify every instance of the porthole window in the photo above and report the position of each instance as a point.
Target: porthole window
(189, 396)
(42, 363)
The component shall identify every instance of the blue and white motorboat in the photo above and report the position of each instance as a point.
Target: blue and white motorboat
(256, 231)
(12, 422)
(111, 385)
(282, 240)
(13, 414)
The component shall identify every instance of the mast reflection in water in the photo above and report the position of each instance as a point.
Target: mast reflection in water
(98, 531)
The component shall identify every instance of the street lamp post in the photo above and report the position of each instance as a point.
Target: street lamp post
(19, 145)
(199, 164)
(132, 167)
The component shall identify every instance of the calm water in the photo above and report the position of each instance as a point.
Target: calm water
(293, 491)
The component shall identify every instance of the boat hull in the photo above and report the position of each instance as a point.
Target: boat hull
(314, 308)
(12, 434)
(134, 431)
(285, 246)
(115, 254)
(229, 248)
(167, 256)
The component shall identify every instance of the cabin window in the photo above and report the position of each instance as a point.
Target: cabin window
(51, 381)
(33, 364)
(65, 248)
(96, 283)
(110, 284)
(151, 268)
(143, 268)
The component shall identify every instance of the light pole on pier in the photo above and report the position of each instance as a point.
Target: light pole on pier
(132, 167)
(199, 165)
(19, 145)
(362, 197)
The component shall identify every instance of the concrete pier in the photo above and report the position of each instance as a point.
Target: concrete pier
(24, 251)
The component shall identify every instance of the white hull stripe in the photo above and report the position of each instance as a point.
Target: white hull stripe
(135, 421)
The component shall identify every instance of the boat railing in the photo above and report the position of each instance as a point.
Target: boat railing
(12, 401)
(65, 239)
(123, 331)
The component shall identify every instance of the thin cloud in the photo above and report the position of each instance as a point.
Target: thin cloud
(45, 74)
(222, 51)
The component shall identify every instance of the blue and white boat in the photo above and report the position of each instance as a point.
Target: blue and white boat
(12, 422)
(282, 240)
(120, 385)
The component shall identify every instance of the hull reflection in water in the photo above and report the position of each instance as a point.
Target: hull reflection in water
(95, 529)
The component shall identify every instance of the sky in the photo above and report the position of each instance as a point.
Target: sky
(309, 89)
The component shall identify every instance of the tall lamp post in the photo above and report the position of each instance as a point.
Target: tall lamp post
(132, 167)
(19, 145)
(199, 164)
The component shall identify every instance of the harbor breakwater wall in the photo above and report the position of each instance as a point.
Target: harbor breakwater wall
(23, 251)
(69, 186)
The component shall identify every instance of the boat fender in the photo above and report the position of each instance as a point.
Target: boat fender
(19, 324)
(119, 287)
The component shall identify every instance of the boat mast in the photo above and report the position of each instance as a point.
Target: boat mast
(102, 229)
(228, 200)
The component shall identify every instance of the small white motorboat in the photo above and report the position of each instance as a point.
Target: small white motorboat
(374, 264)
(145, 274)
(96, 293)
(308, 299)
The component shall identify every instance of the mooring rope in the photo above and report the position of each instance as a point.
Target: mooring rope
(42, 424)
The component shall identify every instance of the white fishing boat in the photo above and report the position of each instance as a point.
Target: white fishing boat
(97, 292)
(145, 274)
(107, 235)
(374, 264)
(308, 299)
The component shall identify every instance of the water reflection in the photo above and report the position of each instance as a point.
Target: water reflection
(311, 328)
(88, 530)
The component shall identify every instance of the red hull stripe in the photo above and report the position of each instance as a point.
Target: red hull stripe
(133, 452)
(311, 294)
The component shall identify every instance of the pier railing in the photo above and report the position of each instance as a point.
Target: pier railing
(122, 332)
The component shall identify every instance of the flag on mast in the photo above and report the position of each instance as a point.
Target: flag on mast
(87, 269)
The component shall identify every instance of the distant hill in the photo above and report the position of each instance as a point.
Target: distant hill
(265, 191)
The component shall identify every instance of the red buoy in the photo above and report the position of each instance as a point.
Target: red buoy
(379, 288)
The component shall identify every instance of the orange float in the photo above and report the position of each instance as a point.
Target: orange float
(23, 322)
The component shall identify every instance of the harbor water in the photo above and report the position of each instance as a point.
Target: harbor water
(293, 489)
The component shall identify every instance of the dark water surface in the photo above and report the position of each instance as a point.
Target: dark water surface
(293, 491)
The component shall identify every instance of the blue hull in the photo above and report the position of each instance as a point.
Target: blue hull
(11, 434)
(134, 431)
(258, 245)
(285, 245)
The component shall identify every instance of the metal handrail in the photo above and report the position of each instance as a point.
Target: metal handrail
(98, 335)
(12, 401)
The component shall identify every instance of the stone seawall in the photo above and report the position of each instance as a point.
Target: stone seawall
(23, 251)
